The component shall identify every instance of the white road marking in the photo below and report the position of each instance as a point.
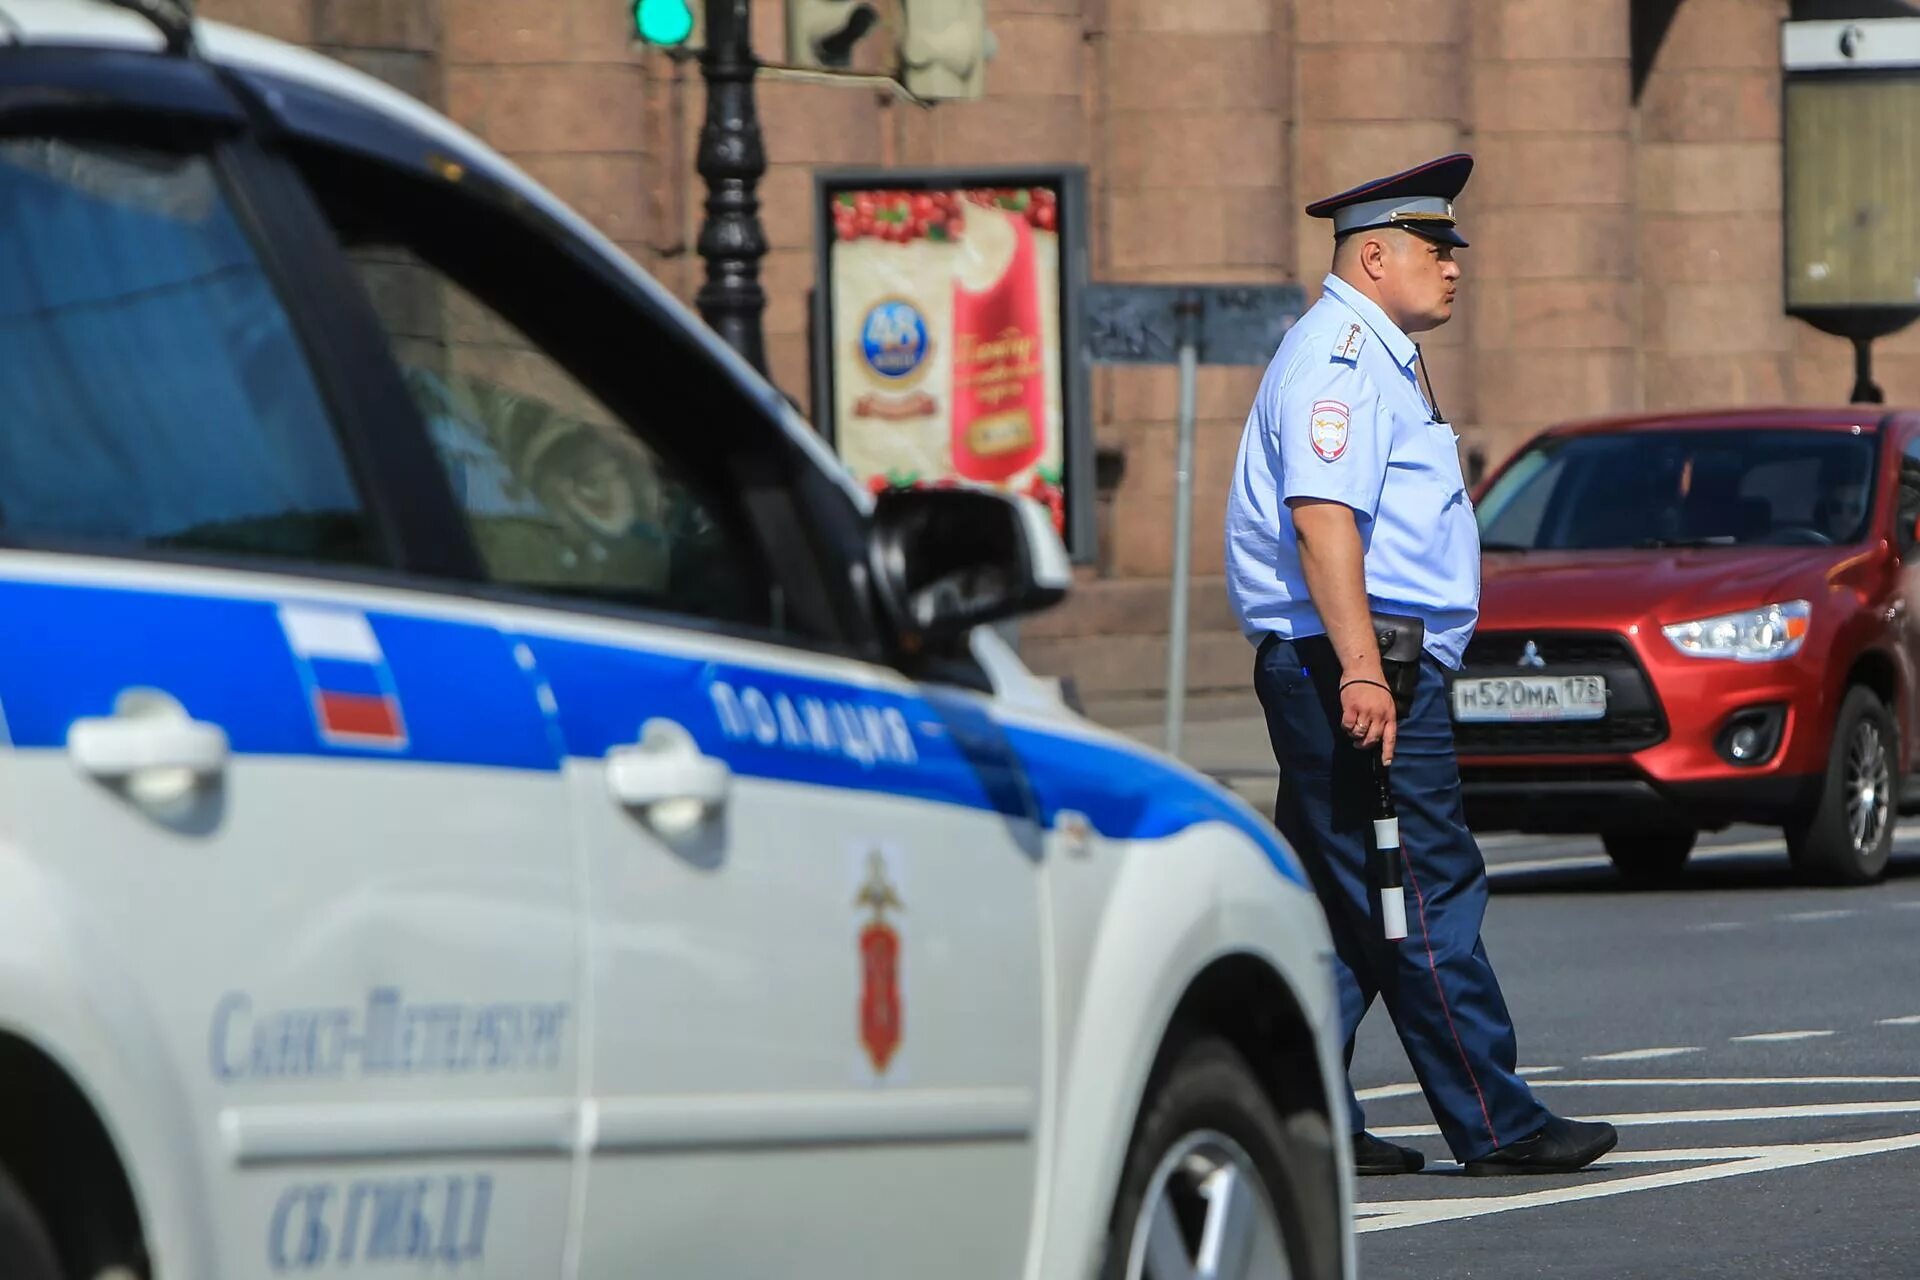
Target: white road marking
(1423, 1212)
(1835, 913)
(1637, 1055)
(1801, 1111)
(1777, 1037)
(1666, 1155)
(1903, 843)
(1699, 1155)
(1674, 1082)
(1525, 865)
(1387, 1091)
(1774, 845)
(1601, 862)
(1717, 926)
(1695, 1082)
(1911, 1020)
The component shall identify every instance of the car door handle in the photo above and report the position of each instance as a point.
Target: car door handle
(151, 743)
(668, 777)
(112, 747)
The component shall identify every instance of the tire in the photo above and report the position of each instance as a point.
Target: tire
(26, 1251)
(1207, 1125)
(1649, 855)
(1847, 837)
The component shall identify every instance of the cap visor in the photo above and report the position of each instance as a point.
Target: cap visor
(1440, 235)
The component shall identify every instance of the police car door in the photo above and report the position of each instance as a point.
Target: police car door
(815, 973)
(290, 831)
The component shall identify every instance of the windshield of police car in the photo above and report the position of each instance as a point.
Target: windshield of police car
(1707, 488)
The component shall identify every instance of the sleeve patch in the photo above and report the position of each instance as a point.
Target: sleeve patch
(1329, 429)
(1347, 345)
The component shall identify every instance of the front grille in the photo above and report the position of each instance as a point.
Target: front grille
(1556, 649)
(1550, 775)
(1615, 733)
(1633, 721)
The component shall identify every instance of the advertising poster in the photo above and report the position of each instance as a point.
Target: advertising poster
(945, 303)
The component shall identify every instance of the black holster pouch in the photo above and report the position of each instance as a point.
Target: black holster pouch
(1401, 641)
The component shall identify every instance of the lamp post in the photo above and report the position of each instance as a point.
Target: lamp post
(732, 159)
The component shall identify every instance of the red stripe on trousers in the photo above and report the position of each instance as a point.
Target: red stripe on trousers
(1441, 991)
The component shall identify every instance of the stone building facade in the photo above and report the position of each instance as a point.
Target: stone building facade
(1624, 212)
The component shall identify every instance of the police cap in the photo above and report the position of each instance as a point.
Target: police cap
(1419, 200)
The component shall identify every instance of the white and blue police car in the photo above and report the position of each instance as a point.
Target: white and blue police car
(483, 794)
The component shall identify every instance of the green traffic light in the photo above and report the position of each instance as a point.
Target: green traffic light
(663, 22)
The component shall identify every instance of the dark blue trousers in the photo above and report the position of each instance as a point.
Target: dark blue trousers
(1437, 982)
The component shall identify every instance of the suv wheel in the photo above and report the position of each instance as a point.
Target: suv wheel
(26, 1251)
(1848, 836)
(1648, 855)
(1207, 1187)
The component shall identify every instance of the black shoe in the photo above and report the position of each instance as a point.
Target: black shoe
(1373, 1157)
(1561, 1146)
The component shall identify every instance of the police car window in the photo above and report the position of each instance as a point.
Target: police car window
(558, 493)
(156, 396)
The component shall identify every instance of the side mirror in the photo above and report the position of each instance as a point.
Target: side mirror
(947, 560)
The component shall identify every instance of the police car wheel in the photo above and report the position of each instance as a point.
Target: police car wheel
(1208, 1184)
(1649, 855)
(1848, 836)
(26, 1251)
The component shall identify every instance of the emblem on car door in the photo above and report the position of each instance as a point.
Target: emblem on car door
(881, 1012)
(1530, 656)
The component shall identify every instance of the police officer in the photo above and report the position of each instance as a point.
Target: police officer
(1347, 500)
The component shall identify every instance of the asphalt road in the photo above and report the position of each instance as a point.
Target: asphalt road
(1756, 1042)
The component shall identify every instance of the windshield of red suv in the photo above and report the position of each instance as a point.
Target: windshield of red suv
(1724, 487)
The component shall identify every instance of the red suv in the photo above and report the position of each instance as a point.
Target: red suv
(1693, 620)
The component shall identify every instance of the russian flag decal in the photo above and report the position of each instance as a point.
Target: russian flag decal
(349, 685)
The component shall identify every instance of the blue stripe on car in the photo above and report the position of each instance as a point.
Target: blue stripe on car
(72, 649)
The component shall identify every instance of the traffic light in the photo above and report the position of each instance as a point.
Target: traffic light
(945, 50)
(821, 33)
(667, 24)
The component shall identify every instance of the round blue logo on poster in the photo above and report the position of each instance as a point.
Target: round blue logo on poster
(893, 338)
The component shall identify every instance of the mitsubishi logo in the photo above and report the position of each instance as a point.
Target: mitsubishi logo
(1530, 656)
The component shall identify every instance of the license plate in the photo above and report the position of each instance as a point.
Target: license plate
(1531, 698)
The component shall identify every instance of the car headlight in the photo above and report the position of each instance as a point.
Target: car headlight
(1766, 634)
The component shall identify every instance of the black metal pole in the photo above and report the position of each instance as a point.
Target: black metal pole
(1865, 390)
(732, 159)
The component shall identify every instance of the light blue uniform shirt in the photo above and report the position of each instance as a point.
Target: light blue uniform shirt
(1340, 416)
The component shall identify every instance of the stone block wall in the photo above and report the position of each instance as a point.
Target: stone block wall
(1626, 246)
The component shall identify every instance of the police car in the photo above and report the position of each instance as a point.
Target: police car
(483, 794)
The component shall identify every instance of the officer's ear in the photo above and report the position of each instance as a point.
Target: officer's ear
(1374, 252)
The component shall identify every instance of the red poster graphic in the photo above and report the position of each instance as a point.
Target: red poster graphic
(945, 332)
(999, 371)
